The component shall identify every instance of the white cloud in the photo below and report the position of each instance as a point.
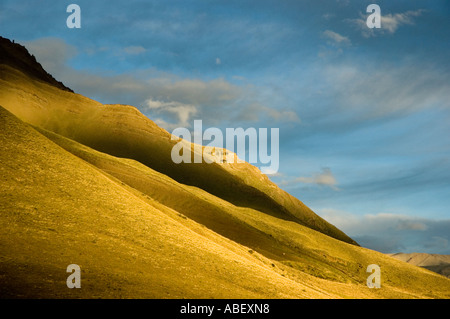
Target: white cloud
(389, 22)
(324, 178)
(218, 61)
(336, 38)
(182, 111)
(216, 100)
(335, 44)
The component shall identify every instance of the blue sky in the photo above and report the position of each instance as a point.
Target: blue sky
(363, 113)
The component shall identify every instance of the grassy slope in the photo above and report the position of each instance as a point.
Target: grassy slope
(123, 131)
(57, 209)
(126, 225)
(294, 249)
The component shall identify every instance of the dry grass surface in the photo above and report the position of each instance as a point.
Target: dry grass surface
(93, 185)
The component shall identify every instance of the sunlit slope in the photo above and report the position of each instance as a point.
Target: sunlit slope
(141, 226)
(123, 131)
(298, 249)
(57, 210)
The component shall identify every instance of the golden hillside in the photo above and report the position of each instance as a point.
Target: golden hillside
(94, 185)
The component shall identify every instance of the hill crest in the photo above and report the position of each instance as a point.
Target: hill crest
(17, 56)
(93, 184)
(123, 131)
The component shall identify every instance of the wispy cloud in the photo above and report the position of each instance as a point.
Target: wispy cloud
(374, 91)
(182, 112)
(169, 99)
(324, 178)
(336, 38)
(335, 44)
(372, 104)
(390, 23)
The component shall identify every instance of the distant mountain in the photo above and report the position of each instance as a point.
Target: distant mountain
(94, 185)
(434, 262)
